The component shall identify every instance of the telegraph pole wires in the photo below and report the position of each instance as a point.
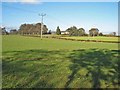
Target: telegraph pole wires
(42, 24)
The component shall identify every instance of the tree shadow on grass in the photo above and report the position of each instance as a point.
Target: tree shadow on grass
(102, 65)
(30, 68)
(25, 69)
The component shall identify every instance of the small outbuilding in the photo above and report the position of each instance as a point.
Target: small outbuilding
(64, 32)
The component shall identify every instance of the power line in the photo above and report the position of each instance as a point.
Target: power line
(49, 16)
(21, 9)
(59, 20)
(31, 11)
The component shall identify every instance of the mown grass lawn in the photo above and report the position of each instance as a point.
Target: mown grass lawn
(99, 38)
(52, 63)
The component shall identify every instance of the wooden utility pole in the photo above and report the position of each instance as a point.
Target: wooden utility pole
(42, 15)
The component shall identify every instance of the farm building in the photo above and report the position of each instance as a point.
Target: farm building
(14, 31)
(64, 32)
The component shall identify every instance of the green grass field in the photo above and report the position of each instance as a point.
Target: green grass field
(30, 62)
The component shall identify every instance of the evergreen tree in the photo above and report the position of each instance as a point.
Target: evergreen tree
(58, 32)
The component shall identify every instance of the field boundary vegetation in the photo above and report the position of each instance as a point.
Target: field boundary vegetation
(66, 37)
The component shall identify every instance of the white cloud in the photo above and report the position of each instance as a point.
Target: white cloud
(24, 1)
(30, 1)
(39, 1)
(9, 0)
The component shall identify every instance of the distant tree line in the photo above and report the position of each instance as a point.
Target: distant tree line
(30, 29)
(74, 31)
(27, 29)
